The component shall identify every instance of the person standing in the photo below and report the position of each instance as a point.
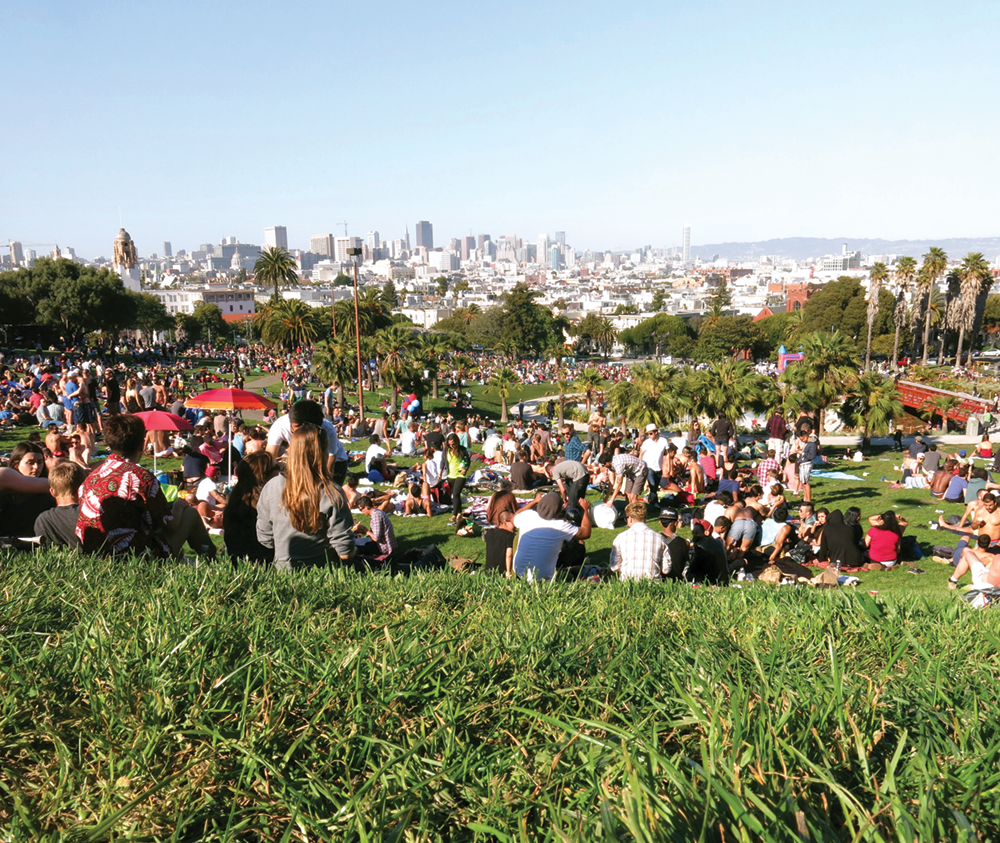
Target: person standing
(651, 452)
(777, 428)
(722, 432)
(457, 463)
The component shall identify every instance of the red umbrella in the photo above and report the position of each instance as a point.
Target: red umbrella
(230, 399)
(159, 420)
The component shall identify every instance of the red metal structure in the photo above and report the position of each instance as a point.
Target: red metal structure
(915, 395)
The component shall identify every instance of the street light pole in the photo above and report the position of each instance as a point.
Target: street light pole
(354, 253)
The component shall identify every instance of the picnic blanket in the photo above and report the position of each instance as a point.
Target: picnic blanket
(834, 475)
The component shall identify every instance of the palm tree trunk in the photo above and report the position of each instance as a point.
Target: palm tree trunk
(958, 351)
(868, 348)
(340, 395)
(895, 352)
(503, 410)
(434, 387)
(393, 400)
(927, 330)
(562, 404)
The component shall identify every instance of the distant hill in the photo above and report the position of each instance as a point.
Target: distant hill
(800, 248)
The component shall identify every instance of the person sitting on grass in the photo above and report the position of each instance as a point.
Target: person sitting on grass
(123, 508)
(543, 528)
(58, 526)
(638, 553)
(418, 500)
(239, 519)
(982, 562)
(776, 534)
(376, 466)
(380, 531)
(500, 545)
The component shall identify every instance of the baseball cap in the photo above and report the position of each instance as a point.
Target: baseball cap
(668, 515)
(704, 524)
(961, 453)
(651, 427)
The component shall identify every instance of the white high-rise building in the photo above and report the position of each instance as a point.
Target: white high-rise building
(342, 244)
(276, 237)
(321, 244)
(373, 241)
(16, 254)
(686, 248)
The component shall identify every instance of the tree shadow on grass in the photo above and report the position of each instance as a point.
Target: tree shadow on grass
(824, 497)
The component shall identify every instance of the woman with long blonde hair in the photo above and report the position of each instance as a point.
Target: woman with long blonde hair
(303, 514)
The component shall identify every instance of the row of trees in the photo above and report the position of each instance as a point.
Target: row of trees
(664, 395)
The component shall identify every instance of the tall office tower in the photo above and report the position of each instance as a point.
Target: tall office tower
(468, 244)
(454, 246)
(561, 239)
(16, 254)
(373, 241)
(554, 256)
(168, 250)
(425, 235)
(276, 237)
(322, 244)
(406, 238)
(686, 248)
(342, 244)
(481, 241)
(542, 249)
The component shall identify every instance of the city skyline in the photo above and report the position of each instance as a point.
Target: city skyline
(605, 127)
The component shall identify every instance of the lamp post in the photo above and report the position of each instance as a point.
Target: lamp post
(354, 254)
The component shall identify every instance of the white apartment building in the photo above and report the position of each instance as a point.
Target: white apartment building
(230, 301)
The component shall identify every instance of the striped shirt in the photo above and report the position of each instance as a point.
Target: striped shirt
(764, 466)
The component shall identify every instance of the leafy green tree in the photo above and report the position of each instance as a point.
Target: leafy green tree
(720, 301)
(623, 309)
(151, 314)
(389, 295)
(274, 266)
(935, 264)
(871, 403)
(343, 280)
(778, 328)
(441, 284)
(906, 272)
(502, 383)
(728, 336)
(877, 277)
(434, 350)
(290, 323)
(460, 286)
(829, 367)
(527, 326)
(659, 299)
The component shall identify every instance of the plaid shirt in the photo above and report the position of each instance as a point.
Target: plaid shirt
(383, 532)
(629, 465)
(764, 466)
(574, 448)
(638, 554)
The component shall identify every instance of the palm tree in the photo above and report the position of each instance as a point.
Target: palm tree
(288, 322)
(935, 263)
(275, 266)
(878, 276)
(648, 396)
(975, 278)
(906, 271)
(830, 366)
(730, 388)
(951, 309)
(941, 406)
(588, 382)
(396, 366)
(605, 335)
(565, 385)
(502, 382)
(872, 403)
(435, 348)
(336, 362)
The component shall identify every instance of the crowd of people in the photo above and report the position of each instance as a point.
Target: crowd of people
(280, 493)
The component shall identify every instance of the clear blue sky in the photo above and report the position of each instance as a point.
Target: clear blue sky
(617, 123)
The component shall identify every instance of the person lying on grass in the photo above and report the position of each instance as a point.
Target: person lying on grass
(123, 508)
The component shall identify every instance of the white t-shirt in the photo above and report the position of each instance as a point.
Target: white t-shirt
(205, 489)
(713, 510)
(407, 443)
(373, 452)
(493, 441)
(652, 451)
(538, 544)
(434, 469)
(281, 432)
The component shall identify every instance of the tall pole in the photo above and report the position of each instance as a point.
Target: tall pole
(357, 338)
